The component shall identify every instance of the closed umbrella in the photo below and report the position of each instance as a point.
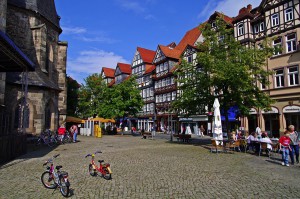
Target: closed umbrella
(217, 128)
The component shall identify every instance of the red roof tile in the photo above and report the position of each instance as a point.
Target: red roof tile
(124, 68)
(147, 55)
(108, 72)
(170, 52)
(189, 38)
(149, 68)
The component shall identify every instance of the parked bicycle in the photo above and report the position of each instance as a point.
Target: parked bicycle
(104, 168)
(53, 177)
(46, 138)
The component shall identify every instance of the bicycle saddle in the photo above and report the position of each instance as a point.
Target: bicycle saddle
(58, 167)
(100, 161)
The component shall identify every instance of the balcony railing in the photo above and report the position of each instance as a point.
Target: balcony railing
(165, 89)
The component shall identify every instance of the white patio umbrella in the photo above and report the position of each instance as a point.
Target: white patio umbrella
(217, 128)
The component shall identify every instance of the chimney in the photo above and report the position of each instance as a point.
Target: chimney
(3, 13)
(249, 7)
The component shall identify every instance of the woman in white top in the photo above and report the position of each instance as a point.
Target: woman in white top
(266, 139)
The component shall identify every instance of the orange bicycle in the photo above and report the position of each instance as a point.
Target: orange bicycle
(104, 168)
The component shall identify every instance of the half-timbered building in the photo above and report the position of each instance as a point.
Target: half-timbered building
(108, 74)
(122, 72)
(279, 21)
(143, 70)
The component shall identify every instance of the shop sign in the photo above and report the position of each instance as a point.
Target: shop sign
(185, 119)
(273, 110)
(291, 109)
(252, 111)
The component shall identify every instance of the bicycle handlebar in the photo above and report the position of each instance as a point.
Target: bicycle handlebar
(93, 154)
(50, 160)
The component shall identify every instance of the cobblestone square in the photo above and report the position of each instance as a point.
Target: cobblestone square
(152, 169)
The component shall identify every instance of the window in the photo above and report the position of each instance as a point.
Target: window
(160, 98)
(168, 81)
(277, 46)
(173, 95)
(213, 24)
(289, 15)
(164, 97)
(256, 28)
(275, 20)
(240, 29)
(263, 83)
(156, 99)
(157, 69)
(279, 78)
(163, 82)
(172, 80)
(151, 92)
(293, 76)
(144, 93)
(169, 97)
(159, 84)
(262, 26)
(152, 107)
(148, 92)
(189, 59)
(161, 67)
(166, 66)
(291, 43)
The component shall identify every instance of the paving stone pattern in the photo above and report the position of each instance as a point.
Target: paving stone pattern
(152, 169)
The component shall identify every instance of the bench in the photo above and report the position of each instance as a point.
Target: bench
(146, 134)
(183, 137)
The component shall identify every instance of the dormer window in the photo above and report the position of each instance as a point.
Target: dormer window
(213, 24)
(241, 29)
(256, 28)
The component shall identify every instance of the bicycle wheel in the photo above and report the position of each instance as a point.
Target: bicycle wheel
(64, 188)
(48, 180)
(92, 170)
(107, 175)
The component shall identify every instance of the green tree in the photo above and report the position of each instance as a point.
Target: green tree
(118, 101)
(72, 93)
(124, 99)
(228, 70)
(91, 96)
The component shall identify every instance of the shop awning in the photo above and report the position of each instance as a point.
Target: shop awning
(12, 58)
(73, 119)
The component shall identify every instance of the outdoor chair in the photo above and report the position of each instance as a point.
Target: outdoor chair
(264, 147)
(215, 146)
(275, 149)
(234, 145)
(244, 144)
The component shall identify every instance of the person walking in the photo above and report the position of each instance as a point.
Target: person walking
(74, 130)
(284, 144)
(202, 130)
(294, 146)
(153, 131)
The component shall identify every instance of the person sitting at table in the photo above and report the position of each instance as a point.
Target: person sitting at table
(252, 142)
(233, 136)
(239, 135)
(266, 139)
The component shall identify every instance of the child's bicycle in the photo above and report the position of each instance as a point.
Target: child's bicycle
(53, 177)
(104, 168)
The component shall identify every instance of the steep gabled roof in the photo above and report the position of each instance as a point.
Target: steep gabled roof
(108, 72)
(146, 54)
(170, 52)
(124, 68)
(227, 19)
(149, 68)
(189, 38)
(244, 13)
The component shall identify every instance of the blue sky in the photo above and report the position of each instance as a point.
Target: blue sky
(104, 32)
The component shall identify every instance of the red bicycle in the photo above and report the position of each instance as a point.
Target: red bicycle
(104, 168)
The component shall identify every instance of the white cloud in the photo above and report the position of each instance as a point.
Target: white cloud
(131, 5)
(92, 61)
(101, 39)
(149, 17)
(73, 30)
(228, 7)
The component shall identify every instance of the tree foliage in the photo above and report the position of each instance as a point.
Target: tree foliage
(72, 93)
(120, 100)
(226, 69)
